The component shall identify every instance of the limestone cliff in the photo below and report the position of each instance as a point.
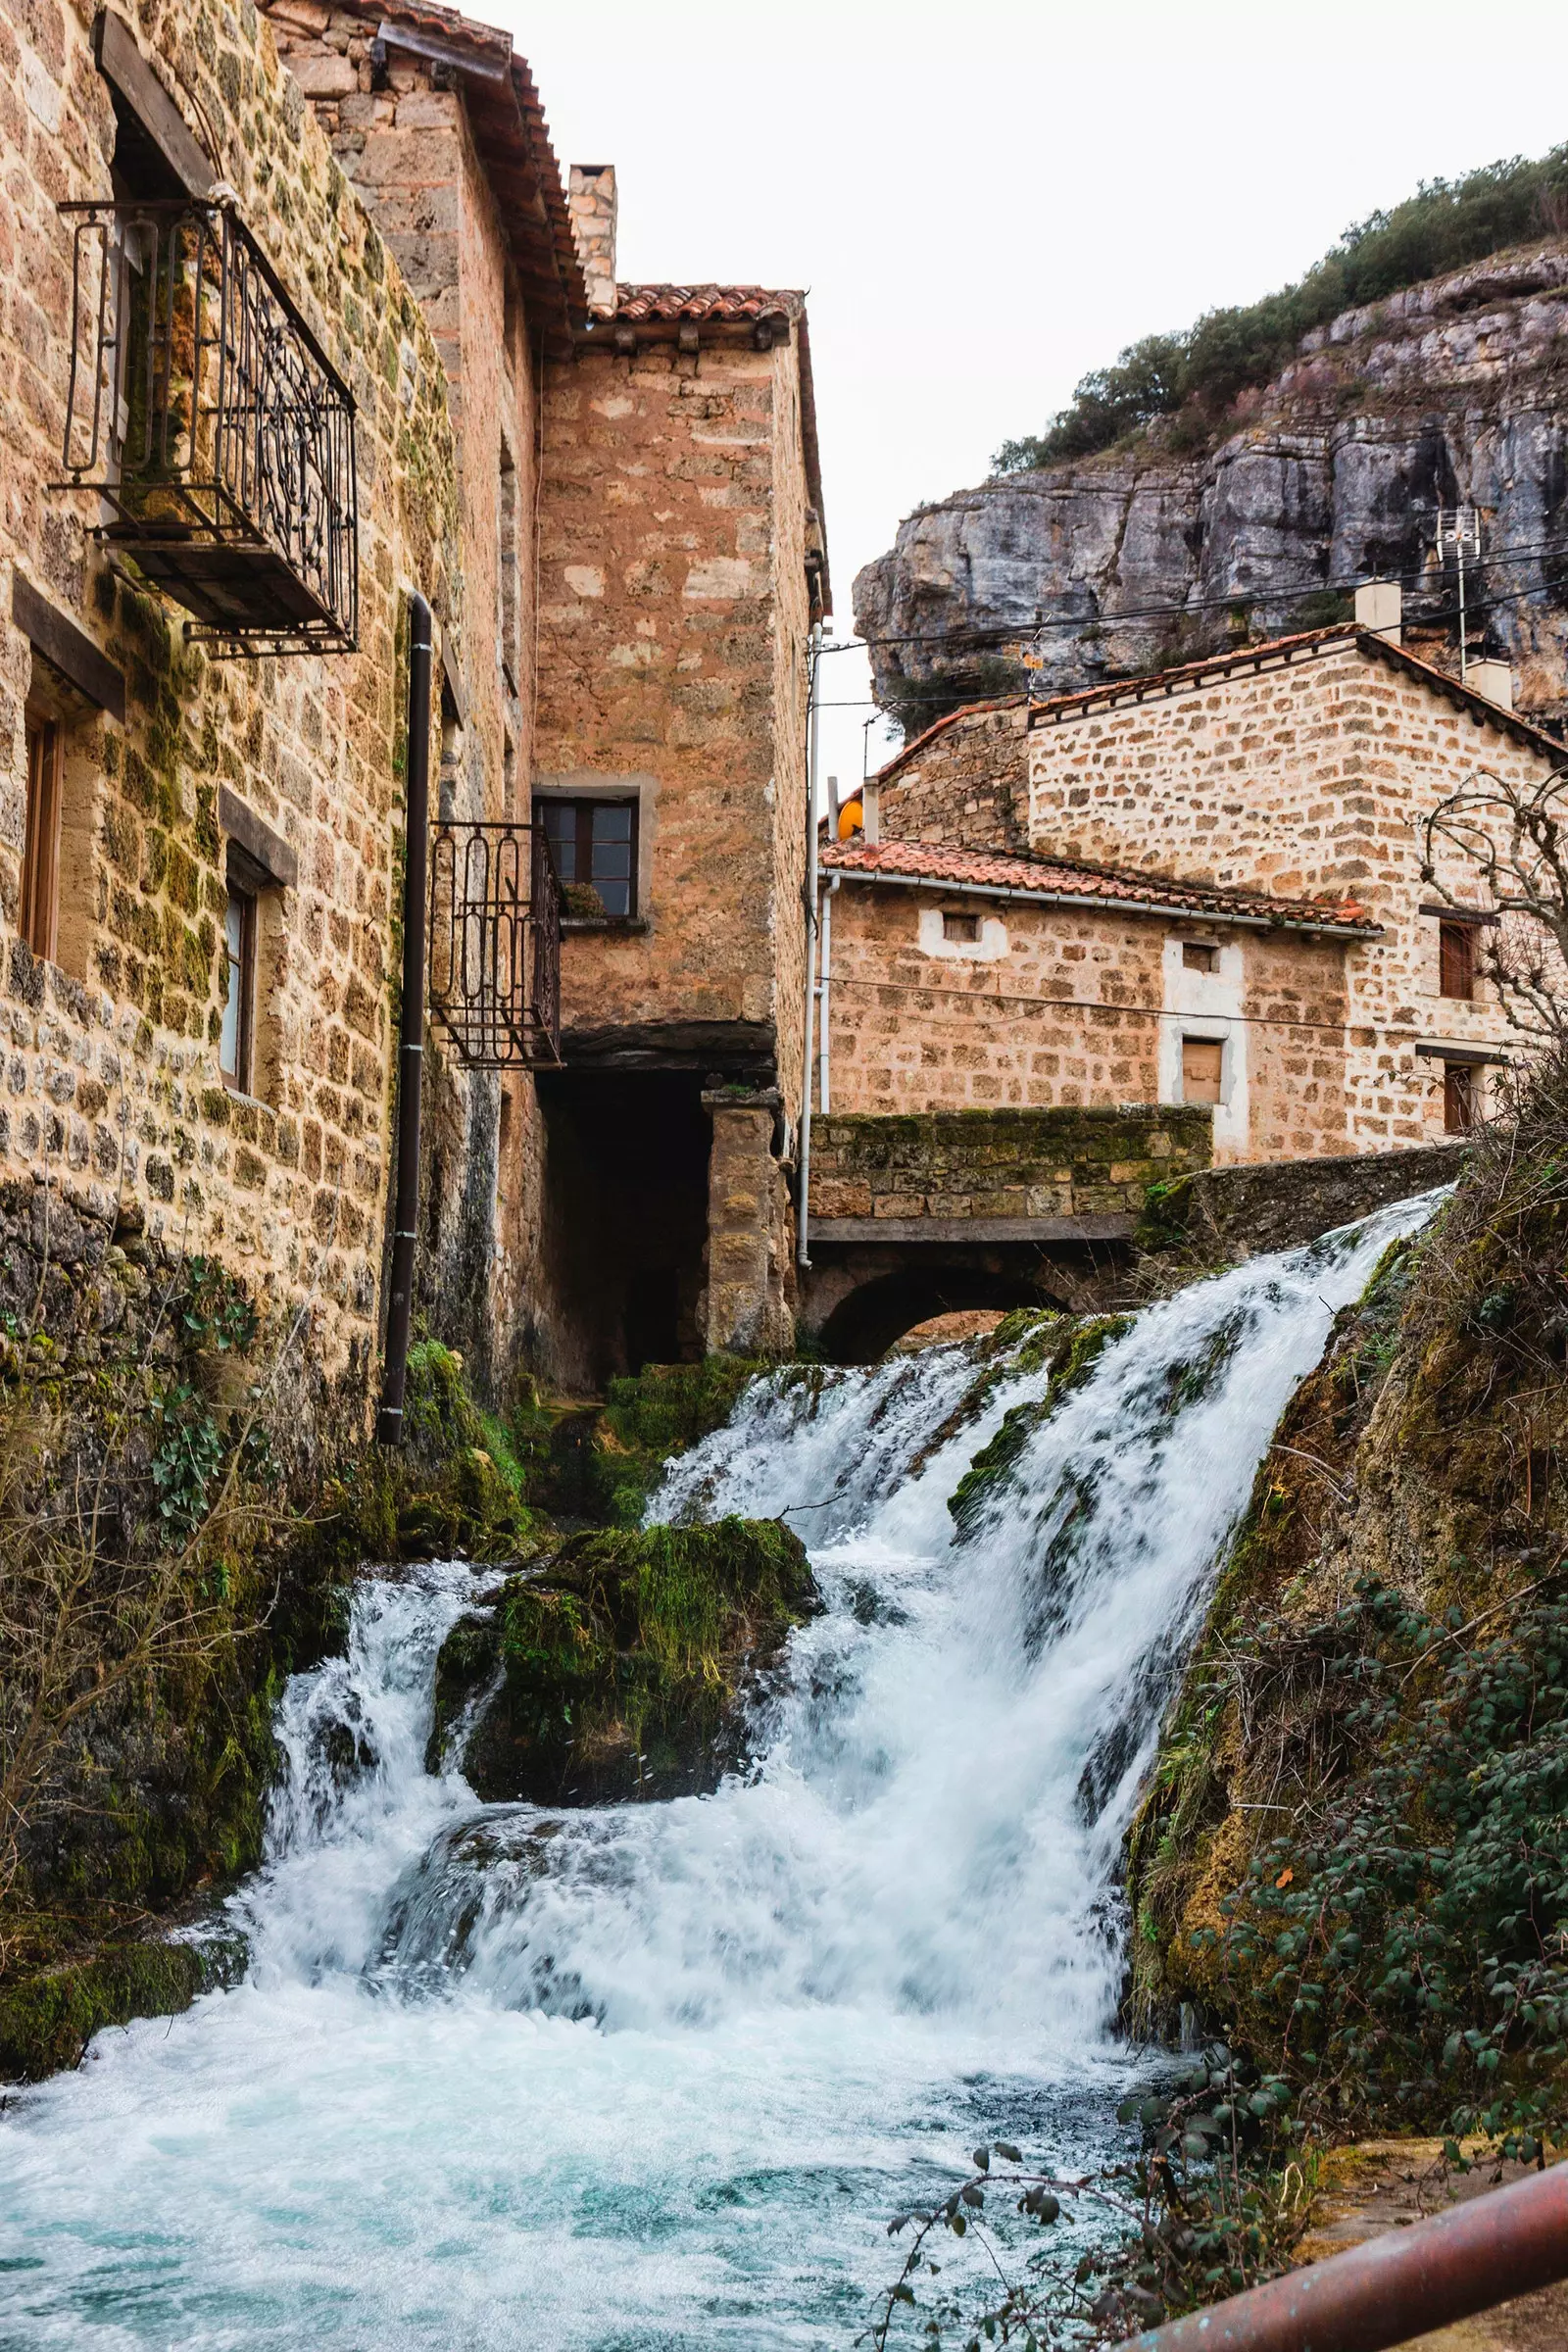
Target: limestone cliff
(1159, 550)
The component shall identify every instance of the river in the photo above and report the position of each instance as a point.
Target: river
(651, 2078)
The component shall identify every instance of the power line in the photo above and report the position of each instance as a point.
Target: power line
(991, 633)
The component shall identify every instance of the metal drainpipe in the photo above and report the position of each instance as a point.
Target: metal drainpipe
(824, 995)
(410, 1043)
(813, 725)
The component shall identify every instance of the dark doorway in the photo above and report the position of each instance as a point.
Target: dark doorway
(625, 1215)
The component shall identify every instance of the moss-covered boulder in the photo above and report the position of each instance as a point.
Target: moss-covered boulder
(623, 1667)
(1068, 1347)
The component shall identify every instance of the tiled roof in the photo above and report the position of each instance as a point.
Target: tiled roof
(514, 141)
(1064, 881)
(637, 305)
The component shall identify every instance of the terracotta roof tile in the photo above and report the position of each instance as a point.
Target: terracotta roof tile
(1065, 879)
(645, 304)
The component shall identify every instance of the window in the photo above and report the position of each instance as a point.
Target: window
(1202, 1067)
(960, 927)
(1461, 1094)
(235, 1044)
(595, 846)
(1456, 960)
(1200, 955)
(40, 856)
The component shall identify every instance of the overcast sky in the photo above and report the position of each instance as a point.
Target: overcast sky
(982, 201)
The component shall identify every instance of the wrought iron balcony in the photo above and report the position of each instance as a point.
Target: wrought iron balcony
(202, 409)
(495, 944)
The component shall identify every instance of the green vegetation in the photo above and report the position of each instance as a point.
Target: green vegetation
(625, 1662)
(1197, 374)
(1070, 1345)
(602, 1468)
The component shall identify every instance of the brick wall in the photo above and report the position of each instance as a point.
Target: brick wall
(112, 1084)
(1001, 1163)
(1071, 1007)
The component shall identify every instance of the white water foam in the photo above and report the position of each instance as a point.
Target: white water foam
(652, 2076)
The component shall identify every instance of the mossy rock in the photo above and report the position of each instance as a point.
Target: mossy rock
(626, 1664)
(48, 2019)
(1070, 1347)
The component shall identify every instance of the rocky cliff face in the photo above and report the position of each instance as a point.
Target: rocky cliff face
(1158, 551)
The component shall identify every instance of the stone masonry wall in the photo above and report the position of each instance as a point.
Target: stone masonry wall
(407, 145)
(1304, 779)
(111, 1057)
(1002, 1163)
(968, 787)
(1070, 1007)
(668, 628)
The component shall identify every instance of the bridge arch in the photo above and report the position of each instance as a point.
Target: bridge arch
(867, 1319)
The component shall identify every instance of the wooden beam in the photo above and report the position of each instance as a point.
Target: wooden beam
(979, 1229)
(123, 64)
(68, 648)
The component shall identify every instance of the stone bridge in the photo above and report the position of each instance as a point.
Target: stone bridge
(914, 1216)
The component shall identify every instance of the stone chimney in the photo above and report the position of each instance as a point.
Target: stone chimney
(592, 198)
(1494, 679)
(1380, 607)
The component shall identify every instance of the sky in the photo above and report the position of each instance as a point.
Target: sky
(983, 203)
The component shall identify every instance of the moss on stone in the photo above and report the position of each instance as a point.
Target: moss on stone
(625, 1662)
(1070, 1345)
(48, 2019)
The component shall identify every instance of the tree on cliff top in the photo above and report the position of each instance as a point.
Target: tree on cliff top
(1445, 225)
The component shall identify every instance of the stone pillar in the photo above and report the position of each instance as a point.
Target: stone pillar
(593, 203)
(749, 1287)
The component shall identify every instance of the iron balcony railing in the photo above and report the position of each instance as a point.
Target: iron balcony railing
(202, 408)
(495, 943)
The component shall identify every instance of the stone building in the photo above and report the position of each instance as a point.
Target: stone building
(1290, 963)
(640, 509)
(203, 657)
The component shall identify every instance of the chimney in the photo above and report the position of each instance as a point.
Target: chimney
(592, 199)
(870, 812)
(1380, 607)
(1494, 679)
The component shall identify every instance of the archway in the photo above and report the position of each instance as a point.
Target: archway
(864, 1325)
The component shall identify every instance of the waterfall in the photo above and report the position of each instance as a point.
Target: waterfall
(653, 2075)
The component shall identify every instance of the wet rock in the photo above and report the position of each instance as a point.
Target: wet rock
(625, 1667)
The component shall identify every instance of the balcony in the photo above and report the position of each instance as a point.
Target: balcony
(495, 944)
(203, 412)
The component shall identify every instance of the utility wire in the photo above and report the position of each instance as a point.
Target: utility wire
(994, 632)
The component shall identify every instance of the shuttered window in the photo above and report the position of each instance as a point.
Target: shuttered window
(1456, 960)
(1202, 1067)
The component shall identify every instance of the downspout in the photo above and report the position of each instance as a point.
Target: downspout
(813, 727)
(411, 1042)
(825, 995)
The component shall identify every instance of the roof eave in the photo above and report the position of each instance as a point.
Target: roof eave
(1326, 928)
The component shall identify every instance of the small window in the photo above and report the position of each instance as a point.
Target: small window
(40, 856)
(595, 846)
(1202, 1067)
(1200, 955)
(235, 1044)
(964, 928)
(1456, 960)
(1460, 1096)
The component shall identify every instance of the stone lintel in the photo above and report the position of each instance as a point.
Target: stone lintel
(947, 1230)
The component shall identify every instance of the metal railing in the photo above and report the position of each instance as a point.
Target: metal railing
(202, 408)
(1397, 2286)
(495, 943)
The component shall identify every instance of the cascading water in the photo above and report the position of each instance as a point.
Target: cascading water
(652, 2076)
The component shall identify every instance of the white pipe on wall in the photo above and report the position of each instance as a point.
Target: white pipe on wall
(824, 992)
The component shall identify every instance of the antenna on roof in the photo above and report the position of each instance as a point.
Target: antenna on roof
(1460, 527)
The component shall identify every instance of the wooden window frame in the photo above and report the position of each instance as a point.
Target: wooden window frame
(1216, 1100)
(1460, 1108)
(39, 922)
(960, 924)
(584, 810)
(1456, 961)
(241, 1078)
(1200, 955)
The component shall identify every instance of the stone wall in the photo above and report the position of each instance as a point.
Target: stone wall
(1304, 777)
(1075, 1007)
(672, 625)
(400, 126)
(965, 785)
(111, 1057)
(1237, 1213)
(1012, 1165)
